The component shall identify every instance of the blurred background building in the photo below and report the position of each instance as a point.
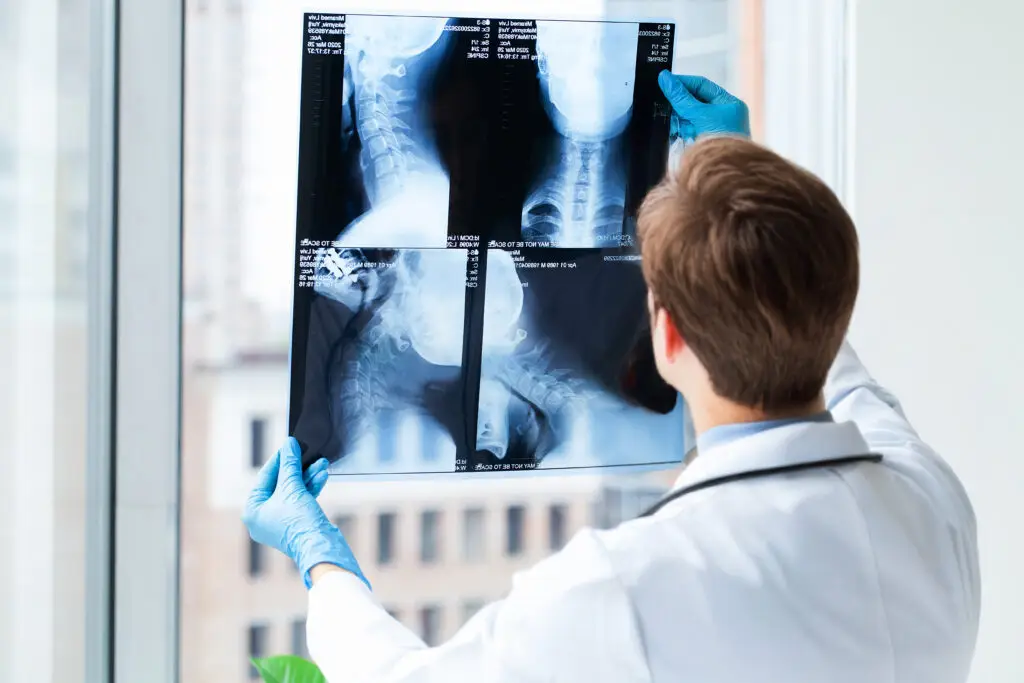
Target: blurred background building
(435, 552)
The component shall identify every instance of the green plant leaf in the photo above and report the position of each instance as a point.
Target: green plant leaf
(288, 669)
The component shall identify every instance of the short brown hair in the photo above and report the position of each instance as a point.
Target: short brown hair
(755, 261)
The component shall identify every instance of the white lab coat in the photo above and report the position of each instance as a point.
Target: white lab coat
(867, 573)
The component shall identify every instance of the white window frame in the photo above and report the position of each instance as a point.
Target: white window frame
(135, 432)
(146, 414)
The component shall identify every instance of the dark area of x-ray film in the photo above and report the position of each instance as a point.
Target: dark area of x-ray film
(468, 294)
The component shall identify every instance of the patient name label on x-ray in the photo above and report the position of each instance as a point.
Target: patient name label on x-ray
(467, 287)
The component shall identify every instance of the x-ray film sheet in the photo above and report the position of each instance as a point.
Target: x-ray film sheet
(468, 295)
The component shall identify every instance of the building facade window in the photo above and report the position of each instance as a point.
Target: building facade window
(257, 559)
(257, 646)
(557, 526)
(257, 441)
(430, 536)
(386, 530)
(515, 519)
(470, 608)
(473, 547)
(347, 525)
(430, 624)
(393, 612)
(299, 648)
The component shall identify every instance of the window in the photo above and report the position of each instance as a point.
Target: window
(299, 648)
(54, 386)
(616, 504)
(258, 441)
(473, 535)
(347, 525)
(239, 211)
(257, 555)
(514, 520)
(395, 613)
(430, 533)
(470, 608)
(430, 624)
(257, 646)
(385, 538)
(557, 515)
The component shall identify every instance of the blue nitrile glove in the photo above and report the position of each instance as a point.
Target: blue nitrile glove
(701, 107)
(282, 513)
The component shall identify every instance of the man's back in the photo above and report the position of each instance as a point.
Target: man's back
(862, 573)
(848, 574)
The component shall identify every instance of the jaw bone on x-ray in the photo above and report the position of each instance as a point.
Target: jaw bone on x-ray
(548, 383)
(401, 343)
(587, 81)
(467, 295)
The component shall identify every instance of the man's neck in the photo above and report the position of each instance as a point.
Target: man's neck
(718, 412)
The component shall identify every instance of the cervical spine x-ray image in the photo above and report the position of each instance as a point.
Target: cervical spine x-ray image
(467, 293)
(551, 393)
(579, 198)
(389, 63)
(384, 359)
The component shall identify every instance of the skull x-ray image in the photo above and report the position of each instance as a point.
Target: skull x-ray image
(468, 296)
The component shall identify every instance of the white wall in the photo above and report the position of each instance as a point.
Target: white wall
(937, 198)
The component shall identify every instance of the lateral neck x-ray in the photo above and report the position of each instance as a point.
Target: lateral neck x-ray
(468, 295)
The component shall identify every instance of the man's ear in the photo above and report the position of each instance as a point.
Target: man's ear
(671, 338)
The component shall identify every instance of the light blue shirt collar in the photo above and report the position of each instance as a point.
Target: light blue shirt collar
(724, 434)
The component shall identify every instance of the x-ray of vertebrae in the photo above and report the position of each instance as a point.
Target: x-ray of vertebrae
(587, 72)
(391, 324)
(406, 188)
(467, 296)
(549, 390)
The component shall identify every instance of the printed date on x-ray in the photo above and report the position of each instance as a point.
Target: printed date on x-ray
(467, 294)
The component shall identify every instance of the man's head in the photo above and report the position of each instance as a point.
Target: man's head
(752, 268)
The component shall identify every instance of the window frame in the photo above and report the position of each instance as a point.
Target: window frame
(146, 343)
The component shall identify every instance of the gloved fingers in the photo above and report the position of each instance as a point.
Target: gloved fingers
(290, 470)
(266, 480)
(705, 90)
(676, 92)
(313, 470)
(317, 483)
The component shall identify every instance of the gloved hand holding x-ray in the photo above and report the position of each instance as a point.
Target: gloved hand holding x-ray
(701, 107)
(469, 296)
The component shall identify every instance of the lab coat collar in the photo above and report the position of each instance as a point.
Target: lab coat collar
(791, 444)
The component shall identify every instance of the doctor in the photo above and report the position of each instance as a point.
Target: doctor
(815, 538)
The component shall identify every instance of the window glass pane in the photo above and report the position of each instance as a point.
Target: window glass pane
(46, 91)
(257, 553)
(257, 647)
(557, 520)
(299, 648)
(430, 624)
(385, 537)
(470, 608)
(429, 535)
(473, 547)
(257, 441)
(347, 525)
(241, 109)
(515, 517)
